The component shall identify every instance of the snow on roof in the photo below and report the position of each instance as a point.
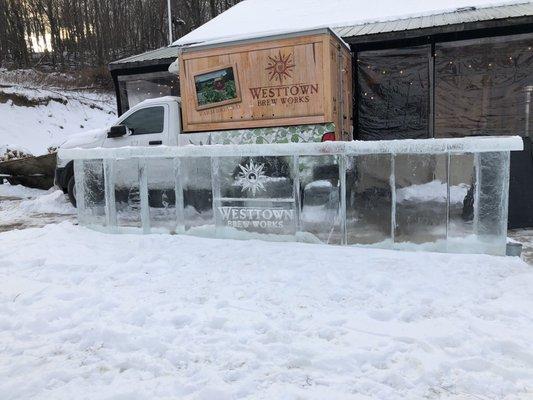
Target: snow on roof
(260, 17)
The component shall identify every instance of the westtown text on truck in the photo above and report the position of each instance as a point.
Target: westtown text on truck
(276, 89)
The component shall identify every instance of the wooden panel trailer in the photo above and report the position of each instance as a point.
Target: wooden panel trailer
(296, 79)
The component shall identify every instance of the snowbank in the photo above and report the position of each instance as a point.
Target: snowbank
(7, 190)
(54, 202)
(432, 191)
(21, 206)
(35, 119)
(166, 317)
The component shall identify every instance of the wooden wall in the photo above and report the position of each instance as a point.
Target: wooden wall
(305, 91)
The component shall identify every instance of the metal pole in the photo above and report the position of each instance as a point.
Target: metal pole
(169, 23)
(529, 90)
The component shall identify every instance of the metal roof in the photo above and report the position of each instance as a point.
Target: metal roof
(466, 15)
(460, 19)
(163, 53)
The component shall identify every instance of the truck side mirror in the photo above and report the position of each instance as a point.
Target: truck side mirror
(117, 131)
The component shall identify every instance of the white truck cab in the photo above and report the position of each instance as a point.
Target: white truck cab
(153, 122)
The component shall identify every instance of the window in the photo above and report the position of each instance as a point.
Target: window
(216, 88)
(145, 121)
(393, 93)
(138, 87)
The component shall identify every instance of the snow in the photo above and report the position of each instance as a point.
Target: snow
(166, 317)
(265, 17)
(53, 202)
(60, 114)
(432, 191)
(7, 190)
(21, 207)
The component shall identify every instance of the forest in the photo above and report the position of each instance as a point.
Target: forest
(73, 34)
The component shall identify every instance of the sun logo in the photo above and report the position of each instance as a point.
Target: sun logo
(251, 177)
(280, 67)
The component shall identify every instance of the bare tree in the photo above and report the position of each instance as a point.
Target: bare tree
(93, 32)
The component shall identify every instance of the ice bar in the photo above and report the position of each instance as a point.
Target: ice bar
(445, 195)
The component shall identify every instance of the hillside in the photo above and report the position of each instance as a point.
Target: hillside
(38, 113)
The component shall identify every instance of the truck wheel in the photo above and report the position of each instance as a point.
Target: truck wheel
(71, 190)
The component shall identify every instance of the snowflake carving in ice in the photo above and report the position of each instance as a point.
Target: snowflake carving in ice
(251, 177)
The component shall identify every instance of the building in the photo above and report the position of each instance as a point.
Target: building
(421, 70)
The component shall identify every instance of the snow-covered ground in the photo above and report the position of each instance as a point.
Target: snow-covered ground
(90, 315)
(22, 207)
(34, 118)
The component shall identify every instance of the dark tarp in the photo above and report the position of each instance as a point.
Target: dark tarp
(521, 187)
(393, 93)
(481, 86)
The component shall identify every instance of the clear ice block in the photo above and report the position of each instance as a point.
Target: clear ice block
(369, 200)
(320, 197)
(420, 200)
(255, 194)
(161, 195)
(90, 192)
(127, 193)
(194, 177)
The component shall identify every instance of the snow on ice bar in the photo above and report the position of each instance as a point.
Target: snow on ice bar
(447, 195)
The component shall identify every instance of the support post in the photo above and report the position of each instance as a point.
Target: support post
(109, 185)
(342, 180)
(215, 187)
(178, 191)
(393, 197)
(143, 191)
(448, 175)
(296, 191)
(477, 188)
(79, 179)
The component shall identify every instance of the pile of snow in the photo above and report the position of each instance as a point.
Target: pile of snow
(259, 17)
(32, 204)
(23, 192)
(432, 191)
(37, 118)
(53, 202)
(178, 317)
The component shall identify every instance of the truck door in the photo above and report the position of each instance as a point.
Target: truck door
(147, 128)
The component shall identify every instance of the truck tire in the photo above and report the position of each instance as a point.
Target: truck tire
(71, 190)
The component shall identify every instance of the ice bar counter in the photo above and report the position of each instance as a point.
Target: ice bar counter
(445, 195)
